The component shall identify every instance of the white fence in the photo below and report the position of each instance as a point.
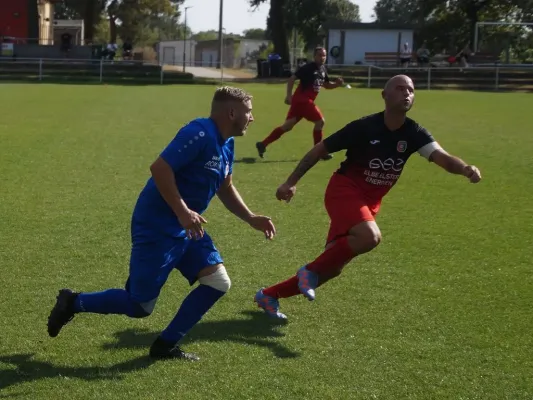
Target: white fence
(98, 70)
(499, 76)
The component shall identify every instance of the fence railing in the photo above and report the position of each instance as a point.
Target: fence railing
(496, 75)
(100, 70)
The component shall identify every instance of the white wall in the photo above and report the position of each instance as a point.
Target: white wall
(249, 45)
(334, 39)
(357, 42)
(171, 52)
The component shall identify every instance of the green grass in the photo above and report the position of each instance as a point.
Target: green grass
(440, 310)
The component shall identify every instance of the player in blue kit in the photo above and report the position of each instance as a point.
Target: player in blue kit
(167, 231)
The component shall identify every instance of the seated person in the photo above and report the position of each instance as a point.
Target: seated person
(127, 50)
(66, 41)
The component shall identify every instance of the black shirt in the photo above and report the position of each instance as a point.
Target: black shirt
(312, 77)
(376, 156)
(66, 38)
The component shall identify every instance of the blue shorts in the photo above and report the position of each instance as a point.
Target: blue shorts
(152, 261)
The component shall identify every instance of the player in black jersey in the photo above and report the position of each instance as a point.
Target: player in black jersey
(378, 146)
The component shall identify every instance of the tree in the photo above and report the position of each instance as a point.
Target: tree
(144, 20)
(206, 35)
(255, 33)
(308, 16)
(305, 16)
(88, 10)
(277, 25)
(452, 24)
(136, 19)
(396, 11)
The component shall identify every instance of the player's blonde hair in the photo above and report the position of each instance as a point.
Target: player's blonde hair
(228, 93)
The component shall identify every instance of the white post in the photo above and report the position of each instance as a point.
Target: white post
(497, 83)
(222, 54)
(369, 76)
(101, 69)
(40, 69)
(476, 37)
(162, 74)
(429, 78)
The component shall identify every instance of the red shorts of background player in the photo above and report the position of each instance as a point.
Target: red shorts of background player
(347, 206)
(304, 108)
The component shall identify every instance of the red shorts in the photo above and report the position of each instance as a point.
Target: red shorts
(347, 206)
(304, 108)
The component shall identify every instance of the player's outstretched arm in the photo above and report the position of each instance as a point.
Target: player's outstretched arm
(286, 191)
(454, 165)
(232, 200)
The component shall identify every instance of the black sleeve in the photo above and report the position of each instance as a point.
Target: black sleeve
(326, 77)
(302, 72)
(344, 138)
(421, 137)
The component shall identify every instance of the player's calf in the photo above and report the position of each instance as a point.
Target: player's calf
(214, 283)
(275, 135)
(318, 136)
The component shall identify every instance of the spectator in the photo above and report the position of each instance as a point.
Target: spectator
(405, 55)
(422, 55)
(127, 49)
(111, 51)
(66, 43)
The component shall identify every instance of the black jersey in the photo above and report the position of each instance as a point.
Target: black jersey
(312, 77)
(376, 156)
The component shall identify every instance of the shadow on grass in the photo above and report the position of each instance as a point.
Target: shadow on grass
(257, 330)
(28, 370)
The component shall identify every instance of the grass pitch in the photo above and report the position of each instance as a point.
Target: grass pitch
(440, 310)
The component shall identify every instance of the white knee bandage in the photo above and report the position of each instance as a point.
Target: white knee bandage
(218, 280)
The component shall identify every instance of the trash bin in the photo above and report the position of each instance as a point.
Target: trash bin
(276, 68)
(260, 68)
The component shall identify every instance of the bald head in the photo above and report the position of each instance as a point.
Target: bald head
(399, 94)
(398, 80)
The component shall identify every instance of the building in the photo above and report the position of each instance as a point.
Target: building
(348, 42)
(236, 52)
(26, 21)
(173, 52)
(46, 22)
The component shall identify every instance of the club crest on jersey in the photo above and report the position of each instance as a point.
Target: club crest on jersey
(401, 146)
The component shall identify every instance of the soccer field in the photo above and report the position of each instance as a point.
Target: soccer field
(440, 310)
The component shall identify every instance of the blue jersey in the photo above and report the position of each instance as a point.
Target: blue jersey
(201, 159)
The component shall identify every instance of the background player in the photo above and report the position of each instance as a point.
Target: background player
(378, 148)
(167, 230)
(312, 77)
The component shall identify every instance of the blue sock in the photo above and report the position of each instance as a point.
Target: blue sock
(193, 308)
(112, 301)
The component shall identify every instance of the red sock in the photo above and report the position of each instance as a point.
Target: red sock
(333, 258)
(317, 136)
(274, 135)
(284, 289)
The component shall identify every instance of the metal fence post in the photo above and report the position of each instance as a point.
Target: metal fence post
(162, 73)
(497, 83)
(369, 76)
(101, 69)
(429, 78)
(40, 69)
